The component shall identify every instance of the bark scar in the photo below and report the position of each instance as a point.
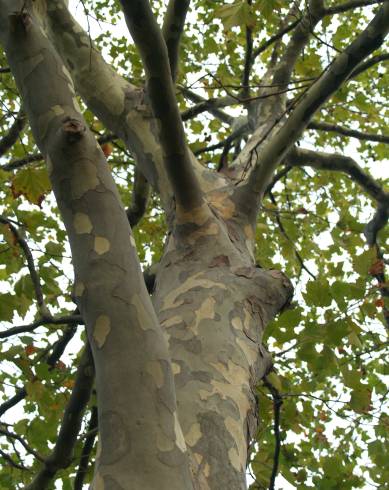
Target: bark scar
(73, 129)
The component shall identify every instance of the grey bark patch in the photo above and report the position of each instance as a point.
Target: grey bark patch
(111, 484)
(115, 436)
(172, 458)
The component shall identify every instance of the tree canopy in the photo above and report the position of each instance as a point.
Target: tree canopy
(323, 420)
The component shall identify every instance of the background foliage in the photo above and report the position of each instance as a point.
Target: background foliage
(330, 348)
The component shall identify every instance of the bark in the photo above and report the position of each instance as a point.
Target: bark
(129, 349)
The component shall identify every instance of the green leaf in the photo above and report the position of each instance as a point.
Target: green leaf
(33, 184)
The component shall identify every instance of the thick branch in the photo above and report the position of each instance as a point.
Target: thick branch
(299, 39)
(339, 70)
(173, 27)
(121, 106)
(338, 163)
(322, 126)
(369, 63)
(13, 134)
(148, 38)
(71, 423)
(248, 60)
(126, 338)
(140, 197)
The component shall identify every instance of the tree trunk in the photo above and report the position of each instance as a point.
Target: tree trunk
(214, 303)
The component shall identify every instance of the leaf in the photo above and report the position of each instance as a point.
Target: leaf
(236, 14)
(318, 293)
(364, 261)
(31, 183)
(360, 399)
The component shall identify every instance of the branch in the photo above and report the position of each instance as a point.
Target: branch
(376, 224)
(277, 403)
(323, 126)
(15, 164)
(31, 266)
(368, 64)
(86, 450)
(140, 197)
(339, 70)
(338, 9)
(211, 107)
(248, 60)
(10, 461)
(283, 231)
(237, 133)
(13, 134)
(5, 70)
(173, 27)
(152, 48)
(37, 157)
(275, 38)
(19, 438)
(52, 360)
(64, 320)
(299, 39)
(61, 456)
(340, 163)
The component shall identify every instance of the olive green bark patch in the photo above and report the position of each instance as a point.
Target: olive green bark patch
(154, 368)
(82, 224)
(79, 289)
(101, 330)
(101, 245)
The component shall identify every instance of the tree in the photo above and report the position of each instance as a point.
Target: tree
(186, 391)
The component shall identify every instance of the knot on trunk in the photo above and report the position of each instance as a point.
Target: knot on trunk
(73, 129)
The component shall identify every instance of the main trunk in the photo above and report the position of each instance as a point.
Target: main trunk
(214, 302)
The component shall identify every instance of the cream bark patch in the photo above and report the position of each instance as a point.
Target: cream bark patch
(101, 330)
(180, 441)
(193, 282)
(101, 245)
(142, 313)
(154, 368)
(193, 435)
(82, 224)
(84, 178)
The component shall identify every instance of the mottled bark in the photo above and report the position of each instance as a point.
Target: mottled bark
(129, 348)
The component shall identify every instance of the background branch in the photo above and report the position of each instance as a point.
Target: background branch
(9, 139)
(70, 426)
(173, 27)
(322, 126)
(152, 48)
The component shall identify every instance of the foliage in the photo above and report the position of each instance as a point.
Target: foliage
(330, 347)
